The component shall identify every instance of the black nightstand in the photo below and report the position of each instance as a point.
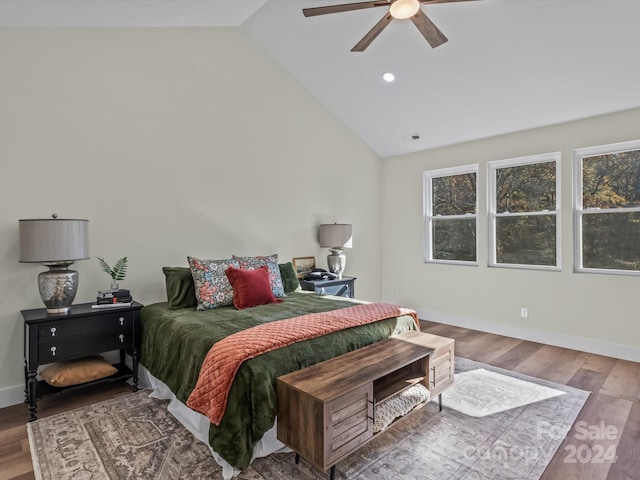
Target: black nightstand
(343, 287)
(55, 337)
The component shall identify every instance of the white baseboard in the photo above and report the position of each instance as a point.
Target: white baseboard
(590, 345)
(13, 396)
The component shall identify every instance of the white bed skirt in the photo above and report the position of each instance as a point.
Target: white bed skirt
(198, 424)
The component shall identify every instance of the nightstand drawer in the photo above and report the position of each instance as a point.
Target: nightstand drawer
(67, 348)
(112, 322)
(343, 287)
(336, 290)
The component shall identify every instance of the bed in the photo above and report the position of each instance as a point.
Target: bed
(175, 342)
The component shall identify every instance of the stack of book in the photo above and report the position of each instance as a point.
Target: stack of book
(113, 298)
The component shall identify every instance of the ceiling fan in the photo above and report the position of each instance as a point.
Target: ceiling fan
(397, 9)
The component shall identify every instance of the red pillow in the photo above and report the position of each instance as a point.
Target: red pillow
(250, 287)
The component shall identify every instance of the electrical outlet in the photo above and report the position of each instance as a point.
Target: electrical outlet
(524, 312)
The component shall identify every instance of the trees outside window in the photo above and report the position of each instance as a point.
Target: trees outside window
(524, 203)
(450, 215)
(607, 208)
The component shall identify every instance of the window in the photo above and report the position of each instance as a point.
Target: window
(607, 208)
(524, 224)
(450, 214)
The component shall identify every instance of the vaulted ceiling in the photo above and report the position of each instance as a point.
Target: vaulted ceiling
(509, 65)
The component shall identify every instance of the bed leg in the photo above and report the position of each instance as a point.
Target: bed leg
(440, 401)
(297, 458)
(332, 473)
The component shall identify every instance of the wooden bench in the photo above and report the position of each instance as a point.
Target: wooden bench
(326, 411)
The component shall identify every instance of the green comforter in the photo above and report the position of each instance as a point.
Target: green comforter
(174, 344)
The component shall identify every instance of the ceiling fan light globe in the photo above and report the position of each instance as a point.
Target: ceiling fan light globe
(401, 9)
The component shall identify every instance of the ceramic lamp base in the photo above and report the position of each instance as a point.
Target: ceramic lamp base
(58, 287)
(336, 261)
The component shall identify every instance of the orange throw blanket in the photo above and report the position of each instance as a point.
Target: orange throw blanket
(223, 360)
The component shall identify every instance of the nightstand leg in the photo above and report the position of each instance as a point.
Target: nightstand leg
(440, 401)
(32, 386)
(332, 473)
(297, 458)
(26, 382)
(134, 361)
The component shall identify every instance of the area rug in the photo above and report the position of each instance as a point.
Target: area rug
(495, 424)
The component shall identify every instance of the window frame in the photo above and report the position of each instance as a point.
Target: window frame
(427, 214)
(492, 215)
(578, 211)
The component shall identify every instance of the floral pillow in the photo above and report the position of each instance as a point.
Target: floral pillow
(212, 286)
(271, 261)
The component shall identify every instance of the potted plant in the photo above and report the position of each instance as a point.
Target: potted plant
(117, 273)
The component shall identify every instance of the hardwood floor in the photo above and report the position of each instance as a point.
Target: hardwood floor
(612, 410)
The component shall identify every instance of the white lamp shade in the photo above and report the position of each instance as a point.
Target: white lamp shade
(53, 240)
(335, 235)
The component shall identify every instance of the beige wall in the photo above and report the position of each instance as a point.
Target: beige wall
(172, 142)
(592, 312)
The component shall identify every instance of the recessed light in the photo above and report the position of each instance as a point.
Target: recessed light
(388, 77)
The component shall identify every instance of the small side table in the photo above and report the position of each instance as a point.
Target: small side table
(55, 337)
(343, 287)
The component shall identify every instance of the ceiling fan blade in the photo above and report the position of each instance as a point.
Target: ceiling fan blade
(433, 35)
(310, 12)
(427, 2)
(372, 34)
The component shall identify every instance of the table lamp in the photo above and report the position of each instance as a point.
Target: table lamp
(55, 243)
(336, 237)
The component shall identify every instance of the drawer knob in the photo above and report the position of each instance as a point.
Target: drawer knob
(121, 321)
(53, 351)
(53, 331)
(121, 337)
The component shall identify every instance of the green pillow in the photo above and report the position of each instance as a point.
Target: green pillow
(289, 277)
(180, 290)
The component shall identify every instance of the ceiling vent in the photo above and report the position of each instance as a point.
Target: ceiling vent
(412, 137)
